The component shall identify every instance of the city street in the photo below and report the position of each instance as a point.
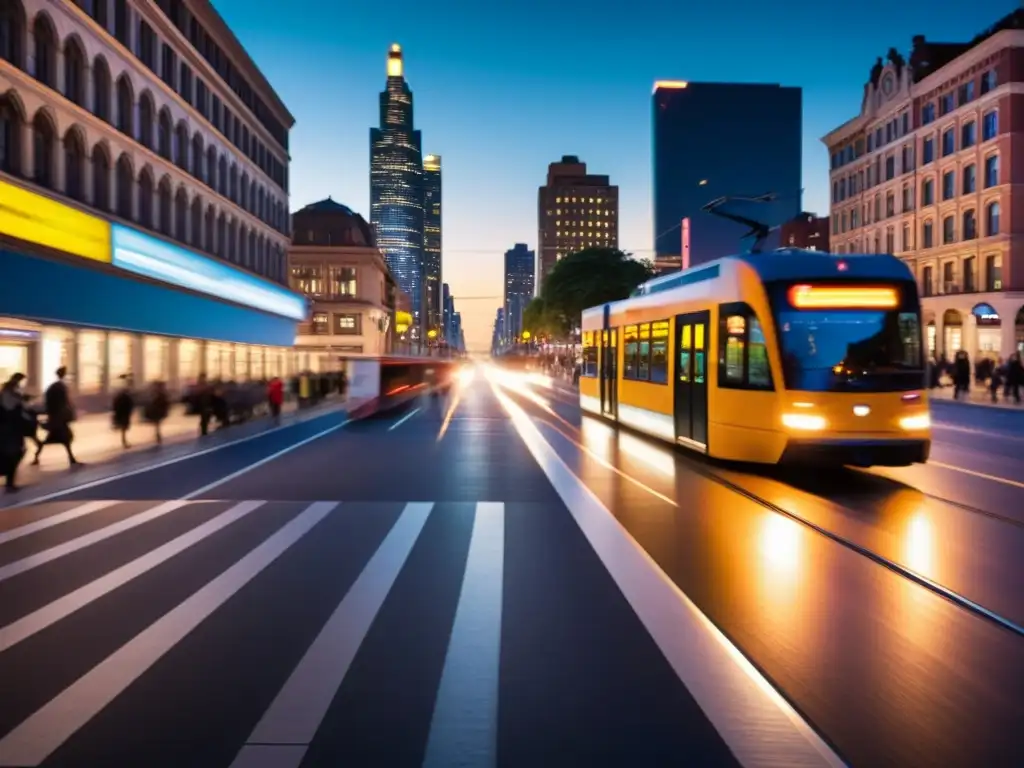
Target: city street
(491, 578)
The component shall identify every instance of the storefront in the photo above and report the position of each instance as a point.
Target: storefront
(983, 325)
(106, 301)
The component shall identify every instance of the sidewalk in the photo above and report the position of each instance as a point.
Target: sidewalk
(96, 442)
(977, 396)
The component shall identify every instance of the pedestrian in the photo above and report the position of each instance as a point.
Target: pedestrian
(15, 424)
(60, 413)
(275, 398)
(157, 407)
(124, 405)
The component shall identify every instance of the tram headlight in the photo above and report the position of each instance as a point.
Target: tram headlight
(804, 421)
(914, 423)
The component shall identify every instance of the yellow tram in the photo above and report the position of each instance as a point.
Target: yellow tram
(786, 356)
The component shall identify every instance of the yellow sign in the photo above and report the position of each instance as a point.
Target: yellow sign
(36, 219)
(526, 335)
(431, 334)
(402, 321)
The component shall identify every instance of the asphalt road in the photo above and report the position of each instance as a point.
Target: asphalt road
(492, 579)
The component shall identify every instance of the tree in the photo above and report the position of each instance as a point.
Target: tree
(539, 321)
(590, 278)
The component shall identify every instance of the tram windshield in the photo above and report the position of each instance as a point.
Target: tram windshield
(860, 348)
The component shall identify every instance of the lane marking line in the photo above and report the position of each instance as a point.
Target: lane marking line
(50, 614)
(974, 473)
(35, 739)
(265, 460)
(48, 522)
(300, 706)
(88, 539)
(464, 726)
(759, 726)
(453, 405)
(404, 419)
(165, 463)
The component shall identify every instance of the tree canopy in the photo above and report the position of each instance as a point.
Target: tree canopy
(582, 280)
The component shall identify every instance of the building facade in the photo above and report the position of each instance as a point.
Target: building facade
(519, 271)
(575, 210)
(721, 139)
(928, 171)
(806, 231)
(335, 264)
(446, 309)
(432, 239)
(159, 153)
(396, 189)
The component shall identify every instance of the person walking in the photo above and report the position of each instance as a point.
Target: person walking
(124, 405)
(157, 408)
(275, 398)
(14, 426)
(60, 413)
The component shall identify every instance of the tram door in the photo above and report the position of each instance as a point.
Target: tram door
(691, 381)
(609, 371)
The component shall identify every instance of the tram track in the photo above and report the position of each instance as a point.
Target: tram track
(703, 468)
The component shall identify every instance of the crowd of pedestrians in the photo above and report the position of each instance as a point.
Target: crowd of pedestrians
(997, 377)
(211, 401)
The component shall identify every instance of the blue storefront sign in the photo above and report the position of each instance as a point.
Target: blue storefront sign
(60, 292)
(144, 255)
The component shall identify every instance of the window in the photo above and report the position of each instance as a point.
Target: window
(948, 185)
(646, 352)
(994, 273)
(927, 235)
(968, 135)
(928, 151)
(348, 324)
(928, 113)
(742, 351)
(970, 225)
(991, 219)
(969, 277)
(991, 171)
(988, 81)
(989, 125)
(169, 64)
(321, 326)
(589, 354)
(948, 230)
(970, 179)
(948, 142)
(928, 192)
(966, 92)
(659, 352)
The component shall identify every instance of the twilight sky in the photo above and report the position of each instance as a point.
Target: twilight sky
(501, 89)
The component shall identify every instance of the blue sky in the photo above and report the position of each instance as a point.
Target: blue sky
(502, 89)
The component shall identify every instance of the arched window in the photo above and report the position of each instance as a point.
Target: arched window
(261, 203)
(125, 188)
(44, 136)
(222, 175)
(12, 32)
(209, 227)
(261, 255)
(222, 233)
(181, 215)
(146, 112)
(196, 223)
(101, 89)
(969, 225)
(181, 146)
(991, 219)
(233, 183)
(252, 249)
(252, 199)
(11, 122)
(146, 192)
(74, 71)
(74, 164)
(100, 178)
(44, 38)
(198, 156)
(164, 130)
(245, 192)
(125, 106)
(164, 205)
(233, 242)
(211, 167)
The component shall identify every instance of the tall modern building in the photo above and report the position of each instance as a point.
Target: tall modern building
(575, 210)
(447, 308)
(396, 188)
(721, 139)
(518, 287)
(432, 241)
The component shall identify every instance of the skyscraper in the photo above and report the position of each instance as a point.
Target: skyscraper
(447, 309)
(721, 139)
(575, 210)
(519, 265)
(432, 241)
(396, 188)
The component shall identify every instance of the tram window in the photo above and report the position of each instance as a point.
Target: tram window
(643, 372)
(631, 353)
(743, 351)
(589, 354)
(659, 352)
